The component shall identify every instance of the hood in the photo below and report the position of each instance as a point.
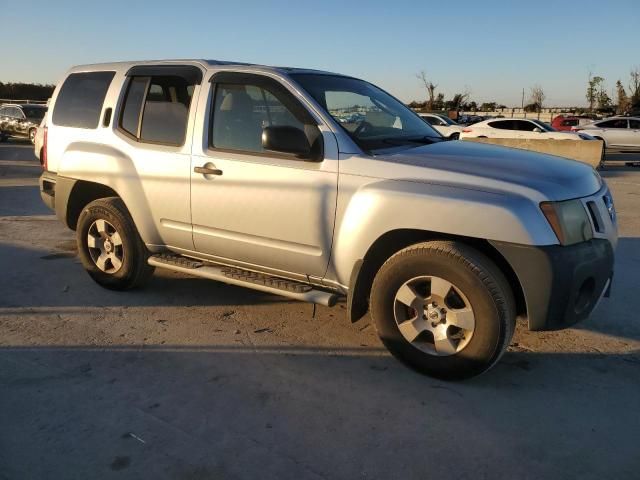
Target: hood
(491, 168)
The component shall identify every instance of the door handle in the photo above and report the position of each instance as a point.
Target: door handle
(207, 171)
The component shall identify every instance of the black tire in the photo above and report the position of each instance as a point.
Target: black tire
(454, 136)
(32, 136)
(134, 270)
(481, 282)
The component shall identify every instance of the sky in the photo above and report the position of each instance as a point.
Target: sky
(494, 49)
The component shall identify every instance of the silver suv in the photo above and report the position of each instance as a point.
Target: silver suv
(318, 187)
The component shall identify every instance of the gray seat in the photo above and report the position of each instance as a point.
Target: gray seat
(235, 125)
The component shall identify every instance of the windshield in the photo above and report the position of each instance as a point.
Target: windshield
(447, 120)
(36, 113)
(372, 118)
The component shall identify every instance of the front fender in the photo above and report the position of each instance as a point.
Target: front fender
(366, 212)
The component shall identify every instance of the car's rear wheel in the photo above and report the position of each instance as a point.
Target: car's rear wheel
(454, 136)
(32, 136)
(110, 247)
(444, 309)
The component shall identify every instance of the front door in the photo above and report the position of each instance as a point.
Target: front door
(263, 208)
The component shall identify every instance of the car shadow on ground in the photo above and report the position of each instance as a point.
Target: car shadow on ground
(18, 201)
(285, 412)
(34, 277)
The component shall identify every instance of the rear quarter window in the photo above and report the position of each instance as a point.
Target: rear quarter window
(80, 100)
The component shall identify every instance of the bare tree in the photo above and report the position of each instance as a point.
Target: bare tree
(623, 99)
(429, 86)
(634, 85)
(537, 97)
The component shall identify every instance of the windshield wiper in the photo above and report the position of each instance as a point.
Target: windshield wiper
(426, 139)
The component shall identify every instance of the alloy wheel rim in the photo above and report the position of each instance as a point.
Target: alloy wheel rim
(105, 246)
(434, 315)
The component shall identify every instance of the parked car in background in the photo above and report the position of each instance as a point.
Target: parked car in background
(469, 119)
(620, 133)
(518, 128)
(443, 124)
(39, 141)
(21, 120)
(565, 124)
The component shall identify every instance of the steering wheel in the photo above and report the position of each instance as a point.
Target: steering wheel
(362, 128)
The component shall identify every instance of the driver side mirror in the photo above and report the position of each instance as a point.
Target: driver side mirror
(537, 130)
(285, 139)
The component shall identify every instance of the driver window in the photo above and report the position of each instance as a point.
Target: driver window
(242, 110)
(525, 126)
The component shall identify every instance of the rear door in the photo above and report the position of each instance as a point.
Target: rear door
(154, 125)
(634, 133)
(266, 209)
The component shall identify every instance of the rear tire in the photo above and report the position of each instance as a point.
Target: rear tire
(449, 345)
(454, 136)
(110, 247)
(32, 136)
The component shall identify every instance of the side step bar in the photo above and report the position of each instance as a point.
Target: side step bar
(244, 278)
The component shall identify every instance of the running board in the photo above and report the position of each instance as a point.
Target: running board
(244, 278)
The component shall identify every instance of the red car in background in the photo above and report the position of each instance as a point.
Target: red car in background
(562, 123)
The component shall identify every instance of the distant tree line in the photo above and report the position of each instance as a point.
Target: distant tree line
(599, 100)
(25, 91)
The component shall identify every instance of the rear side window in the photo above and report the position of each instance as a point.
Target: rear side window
(503, 124)
(80, 100)
(635, 124)
(570, 123)
(615, 123)
(156, 109)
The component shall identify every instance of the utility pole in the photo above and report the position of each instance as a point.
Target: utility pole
(525, 115)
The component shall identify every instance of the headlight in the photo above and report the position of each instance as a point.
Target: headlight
(569, 221)
(611, 208)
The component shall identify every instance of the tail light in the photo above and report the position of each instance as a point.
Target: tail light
(43, 151)
(467, 130)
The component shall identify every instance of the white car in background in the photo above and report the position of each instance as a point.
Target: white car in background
(620, 133)
(444, 125)
(518, 128)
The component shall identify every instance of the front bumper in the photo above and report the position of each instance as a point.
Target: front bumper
(561, 284)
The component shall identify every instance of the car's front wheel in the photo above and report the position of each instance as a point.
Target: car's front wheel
(444, 309)
(110, 247)
(32, 136)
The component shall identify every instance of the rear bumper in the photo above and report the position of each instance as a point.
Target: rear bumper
(562, 285)
(48, 182)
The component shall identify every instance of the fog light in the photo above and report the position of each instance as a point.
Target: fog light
(585, 295)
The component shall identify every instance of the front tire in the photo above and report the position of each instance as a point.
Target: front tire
(444, 309)
(110, 247)
(32, 136)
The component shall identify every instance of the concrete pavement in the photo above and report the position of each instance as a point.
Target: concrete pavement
(192, 379)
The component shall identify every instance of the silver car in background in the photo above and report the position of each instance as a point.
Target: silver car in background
(617, 133)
